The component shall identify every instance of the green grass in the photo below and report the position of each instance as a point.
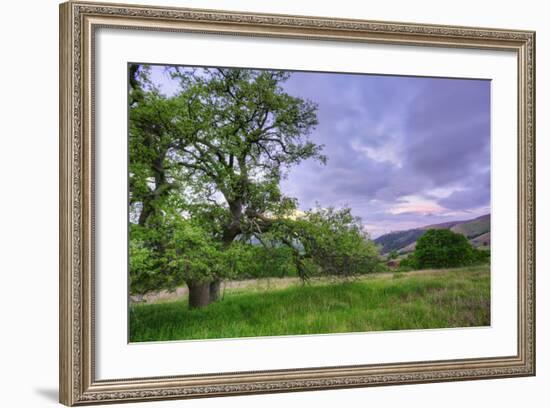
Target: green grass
(399, 301)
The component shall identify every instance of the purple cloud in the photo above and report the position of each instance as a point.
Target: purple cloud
(403, 151)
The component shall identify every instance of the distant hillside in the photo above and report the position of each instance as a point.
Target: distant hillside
(475, 227)
(477, 230)
(398, 239)
(482, 241)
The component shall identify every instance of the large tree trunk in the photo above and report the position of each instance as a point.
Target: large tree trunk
(199, 294)
(215, 290)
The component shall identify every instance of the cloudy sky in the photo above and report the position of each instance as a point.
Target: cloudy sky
(403, 152)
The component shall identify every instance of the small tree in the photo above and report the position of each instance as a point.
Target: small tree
(442, 248)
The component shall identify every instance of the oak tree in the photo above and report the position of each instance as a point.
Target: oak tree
(221, 145)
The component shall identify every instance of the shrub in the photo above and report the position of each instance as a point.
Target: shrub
(444, 248)
(481, 256)
(408, 263)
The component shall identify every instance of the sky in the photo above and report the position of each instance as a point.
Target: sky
(403, 152)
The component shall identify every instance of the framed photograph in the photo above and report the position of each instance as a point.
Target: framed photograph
(255, 203)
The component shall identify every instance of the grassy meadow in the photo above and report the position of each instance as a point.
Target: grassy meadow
(425, 299)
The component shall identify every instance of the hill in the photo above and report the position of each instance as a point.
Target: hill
(398, 240)
(477, 230)
(475, 227)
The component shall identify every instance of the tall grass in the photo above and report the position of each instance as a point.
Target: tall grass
(442, 299)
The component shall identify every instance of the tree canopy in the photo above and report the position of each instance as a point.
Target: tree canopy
(204, 173)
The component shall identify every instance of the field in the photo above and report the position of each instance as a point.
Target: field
(391, 301)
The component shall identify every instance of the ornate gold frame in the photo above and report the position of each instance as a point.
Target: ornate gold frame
(77, 24)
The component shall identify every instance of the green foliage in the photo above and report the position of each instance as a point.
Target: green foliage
(393, 254)
(262, 262)
(226, 133)
(451, 298)
(178, 249)
(327, 241)
(175, 251)
(480, 256)
(442, 248)
(142, 263)
(409, 263)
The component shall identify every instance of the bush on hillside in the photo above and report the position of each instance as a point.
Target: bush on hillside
(442, 248)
